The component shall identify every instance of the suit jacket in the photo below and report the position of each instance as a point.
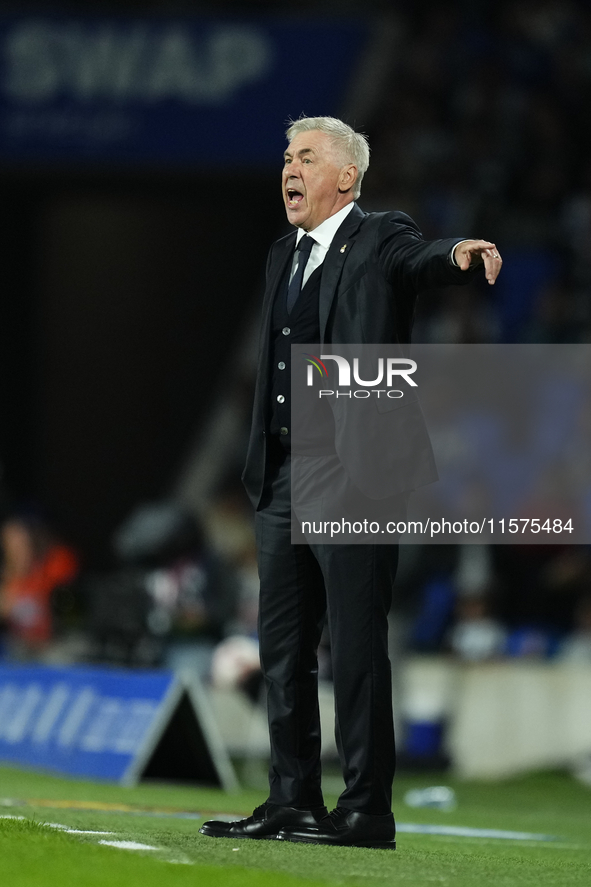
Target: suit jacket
(376, 265)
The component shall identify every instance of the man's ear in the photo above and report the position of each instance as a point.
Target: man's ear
(347, 178)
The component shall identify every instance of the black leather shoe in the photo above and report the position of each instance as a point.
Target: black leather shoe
(346, 828)
(266, 821)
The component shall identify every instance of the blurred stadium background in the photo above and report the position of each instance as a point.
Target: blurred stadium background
(140, 154)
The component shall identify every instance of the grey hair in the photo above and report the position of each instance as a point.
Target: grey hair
(351, 146)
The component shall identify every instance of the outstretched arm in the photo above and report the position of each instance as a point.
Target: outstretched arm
(408, 260)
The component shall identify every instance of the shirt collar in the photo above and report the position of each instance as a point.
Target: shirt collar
(327, 229)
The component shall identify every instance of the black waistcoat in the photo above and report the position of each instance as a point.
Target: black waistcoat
(301, 325)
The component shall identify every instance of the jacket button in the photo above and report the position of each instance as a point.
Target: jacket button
(280, 398)
(286, 331)
(281, 365)
(284, 430)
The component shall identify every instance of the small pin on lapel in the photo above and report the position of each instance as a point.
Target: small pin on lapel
(344, 247)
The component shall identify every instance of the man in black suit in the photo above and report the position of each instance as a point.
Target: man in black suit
(344, 276)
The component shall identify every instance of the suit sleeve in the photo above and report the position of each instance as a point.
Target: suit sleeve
(408, 261)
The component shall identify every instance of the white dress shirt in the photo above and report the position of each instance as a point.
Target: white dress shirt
(323, 236)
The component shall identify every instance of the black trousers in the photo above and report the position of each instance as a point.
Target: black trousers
(351, 585)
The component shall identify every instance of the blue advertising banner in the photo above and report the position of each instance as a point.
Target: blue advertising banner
(167, 90)
(96, 722)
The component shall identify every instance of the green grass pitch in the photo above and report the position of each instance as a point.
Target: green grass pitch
(34, 854)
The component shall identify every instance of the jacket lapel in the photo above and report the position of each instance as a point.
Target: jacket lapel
(336, 257)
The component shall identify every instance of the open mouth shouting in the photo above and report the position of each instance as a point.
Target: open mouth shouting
(294, 197)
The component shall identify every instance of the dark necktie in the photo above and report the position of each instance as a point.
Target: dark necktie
(293, 291)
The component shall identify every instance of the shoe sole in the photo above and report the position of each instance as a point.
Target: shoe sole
(211, 833)
(368, 845)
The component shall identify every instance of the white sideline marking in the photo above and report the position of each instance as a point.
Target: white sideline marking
(86, 831)
(461, 831)
(73, 831)
(129, 845)
(121, 845)
(178, 861)
(458, 831)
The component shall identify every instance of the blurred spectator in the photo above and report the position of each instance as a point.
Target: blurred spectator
(34, 566)
(424, 594)
(230, 527)
(476, 635)
(483, 126)
(537, 592)
(577, 647)
(236, 661)
(169, 601)
(236, 666)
